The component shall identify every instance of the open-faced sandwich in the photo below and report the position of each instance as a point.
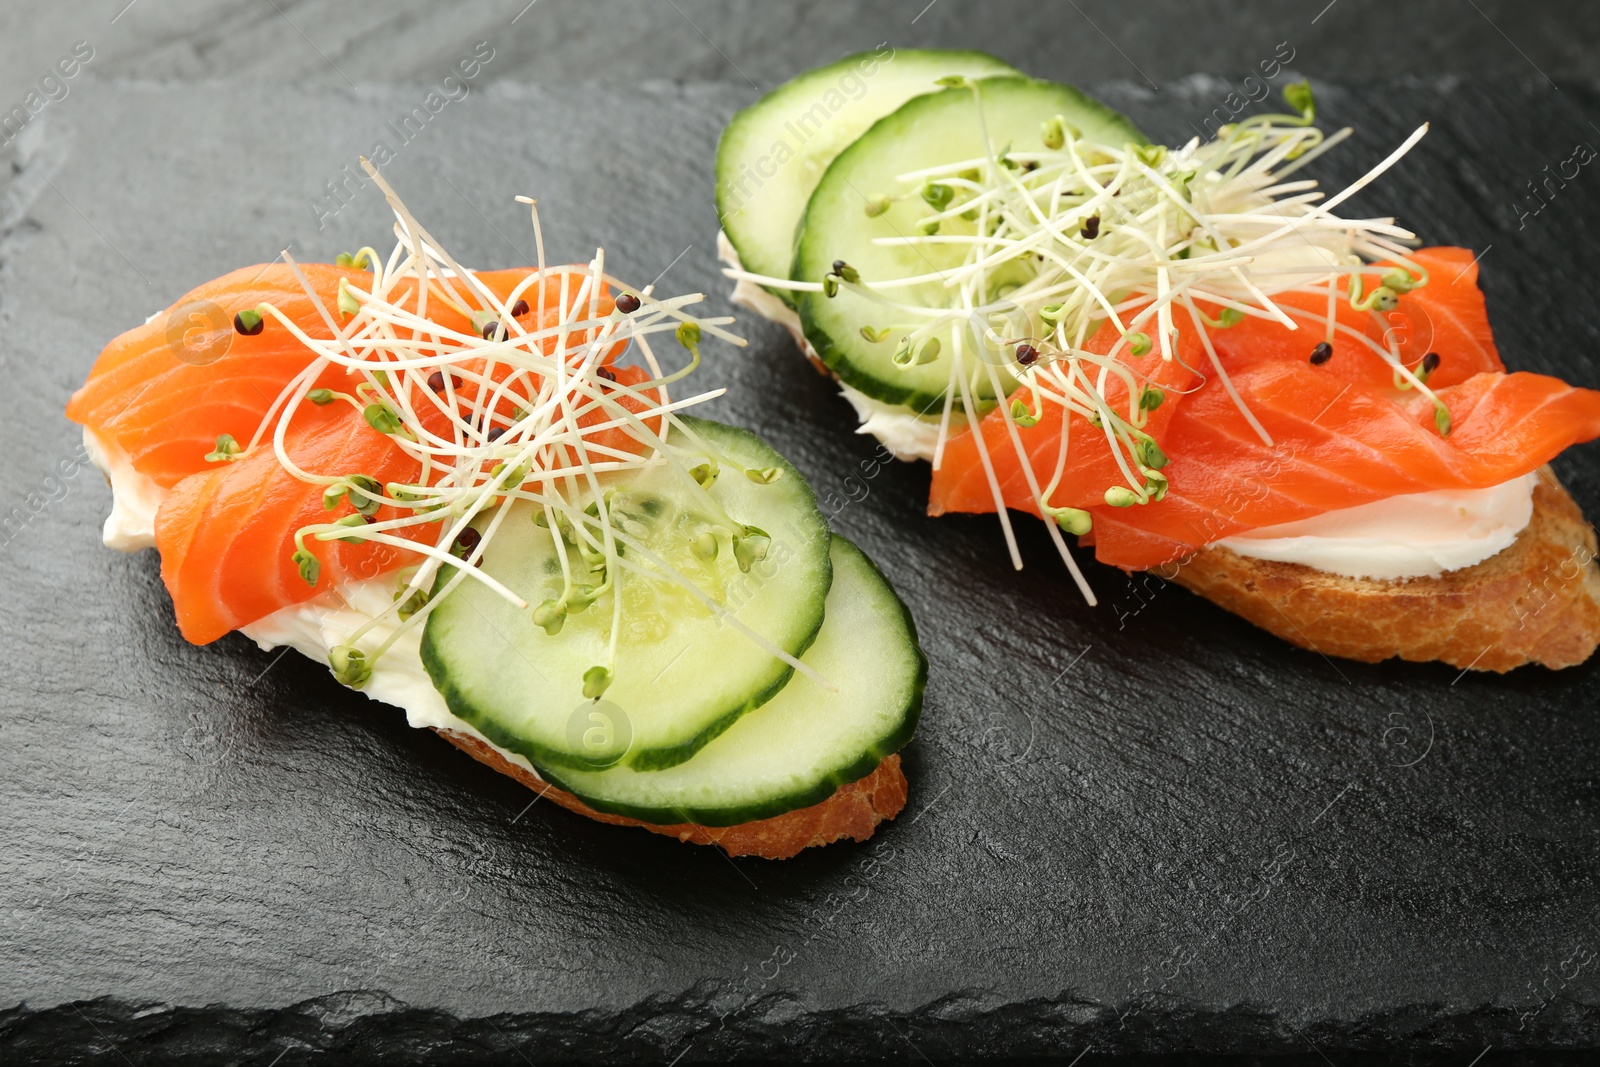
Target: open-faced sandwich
(475, 495)
(1186, 357)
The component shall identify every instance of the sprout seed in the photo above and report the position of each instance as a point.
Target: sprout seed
(310, 567)
(550, 616)
(596, 680)
(1073, 520)
(1120, 496)
(467, 540)
(227, 449)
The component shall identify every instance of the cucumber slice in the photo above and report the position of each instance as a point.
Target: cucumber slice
(929, 131)
(772, 153)
(806, 742)
(682, 673)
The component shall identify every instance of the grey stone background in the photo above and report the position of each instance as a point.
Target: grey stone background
(334, 42)
(284, 873)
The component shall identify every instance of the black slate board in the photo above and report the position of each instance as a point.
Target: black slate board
(1170, 833)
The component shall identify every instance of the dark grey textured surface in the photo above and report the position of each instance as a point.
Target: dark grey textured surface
(1171, 835)
(340, 43)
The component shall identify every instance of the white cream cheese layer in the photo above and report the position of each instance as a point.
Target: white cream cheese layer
(901, 432)
(1411, 536)
(134, 497)
(311, 628)
(907, 435)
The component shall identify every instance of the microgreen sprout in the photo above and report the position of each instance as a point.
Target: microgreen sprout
(348, 304)
(1053, 132)
(366, 494)
(382, 417)
(596, 680)
(409, 601)
(1120, 496)
(350, 665)
(750, 547)
(1298, 96)
(227, 449)
(357, 519)
(936, 195)
(1430, 363)
(911, 353)
(551, 616)
(310, 567)
(764, 475)
(1074, 521)
(1149, 454)
(705, 473)
(247, 322)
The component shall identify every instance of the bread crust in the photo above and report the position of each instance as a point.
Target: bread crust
(1537, 601)
(854, 810)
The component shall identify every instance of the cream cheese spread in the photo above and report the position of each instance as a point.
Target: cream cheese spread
(1410, 536)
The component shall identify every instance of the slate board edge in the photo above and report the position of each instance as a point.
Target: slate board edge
(370, 1027)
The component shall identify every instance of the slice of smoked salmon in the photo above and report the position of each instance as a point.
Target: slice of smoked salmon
(164, 391)
(226, 535)
(1335, 446)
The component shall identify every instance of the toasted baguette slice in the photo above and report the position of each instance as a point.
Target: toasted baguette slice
(854, 810)
(1537, 601)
